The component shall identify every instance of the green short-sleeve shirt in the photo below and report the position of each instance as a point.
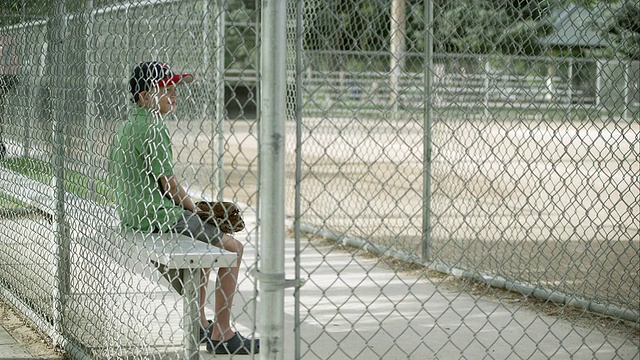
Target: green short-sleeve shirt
(139, 155)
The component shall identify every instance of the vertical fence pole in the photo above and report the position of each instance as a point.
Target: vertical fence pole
(599, 64)
(206, 28)
(217, 127)
(396, 63)
(56, 98)
(29, 90)
(551, 73)
(426, 141)
(298, 178)
(627, 87)
(191, 318)
(88, 68)
(570, 84)
(487, 85)
(219, 13)
(272, 147)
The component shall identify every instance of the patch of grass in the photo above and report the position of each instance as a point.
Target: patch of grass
(32, 168)
(9, 202)
(75, 182)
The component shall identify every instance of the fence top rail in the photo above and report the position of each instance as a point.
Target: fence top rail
(337, 79)
(465, 56)
(132, 5)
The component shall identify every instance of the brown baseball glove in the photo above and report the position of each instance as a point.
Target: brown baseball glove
(225, 215)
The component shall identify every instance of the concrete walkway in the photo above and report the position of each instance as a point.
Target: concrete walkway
(352, 308)
(10, 348)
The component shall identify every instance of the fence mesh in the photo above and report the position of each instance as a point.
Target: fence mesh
(492, 175)
(532, 165)
(72, 63)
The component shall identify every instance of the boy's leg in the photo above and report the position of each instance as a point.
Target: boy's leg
(227, 279)
(203, 297)
(226, 286)
(191, 225)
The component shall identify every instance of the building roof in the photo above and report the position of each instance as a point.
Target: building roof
(575, 26)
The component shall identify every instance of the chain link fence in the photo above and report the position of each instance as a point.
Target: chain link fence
(485, 152)
(506, 154)
(63, 258)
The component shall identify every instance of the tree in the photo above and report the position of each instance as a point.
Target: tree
(347, 25)
(623, 28)
(17, 11)
(487, 26)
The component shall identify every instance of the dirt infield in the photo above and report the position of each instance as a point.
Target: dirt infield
(38, 345)
(544, 202)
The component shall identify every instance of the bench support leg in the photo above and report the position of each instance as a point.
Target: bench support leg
(191, 313)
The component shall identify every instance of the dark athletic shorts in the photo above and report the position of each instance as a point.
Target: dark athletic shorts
(190, 225)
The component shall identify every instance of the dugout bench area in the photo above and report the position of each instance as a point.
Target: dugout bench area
(172, 250)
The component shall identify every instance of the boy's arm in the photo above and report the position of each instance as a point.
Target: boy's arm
(177, 193)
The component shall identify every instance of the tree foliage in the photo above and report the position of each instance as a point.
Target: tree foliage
(623, 28)
(347, 25)
(470, 26)
(488, 26)
(510, 27)
(19, 11)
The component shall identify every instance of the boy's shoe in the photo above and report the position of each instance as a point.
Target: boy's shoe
(205, 334)
(237, 345)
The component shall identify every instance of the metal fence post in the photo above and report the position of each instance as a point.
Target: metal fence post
(298, 177)
(191, 317)
(217, 122)
(428, 103)
(219, 13)
(56, 98)
(485, 61)
(570, 81)
(396, 64)
(90, 105)
(627, 86)
(271, 156)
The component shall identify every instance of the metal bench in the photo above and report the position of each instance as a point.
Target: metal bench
(182, 253)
